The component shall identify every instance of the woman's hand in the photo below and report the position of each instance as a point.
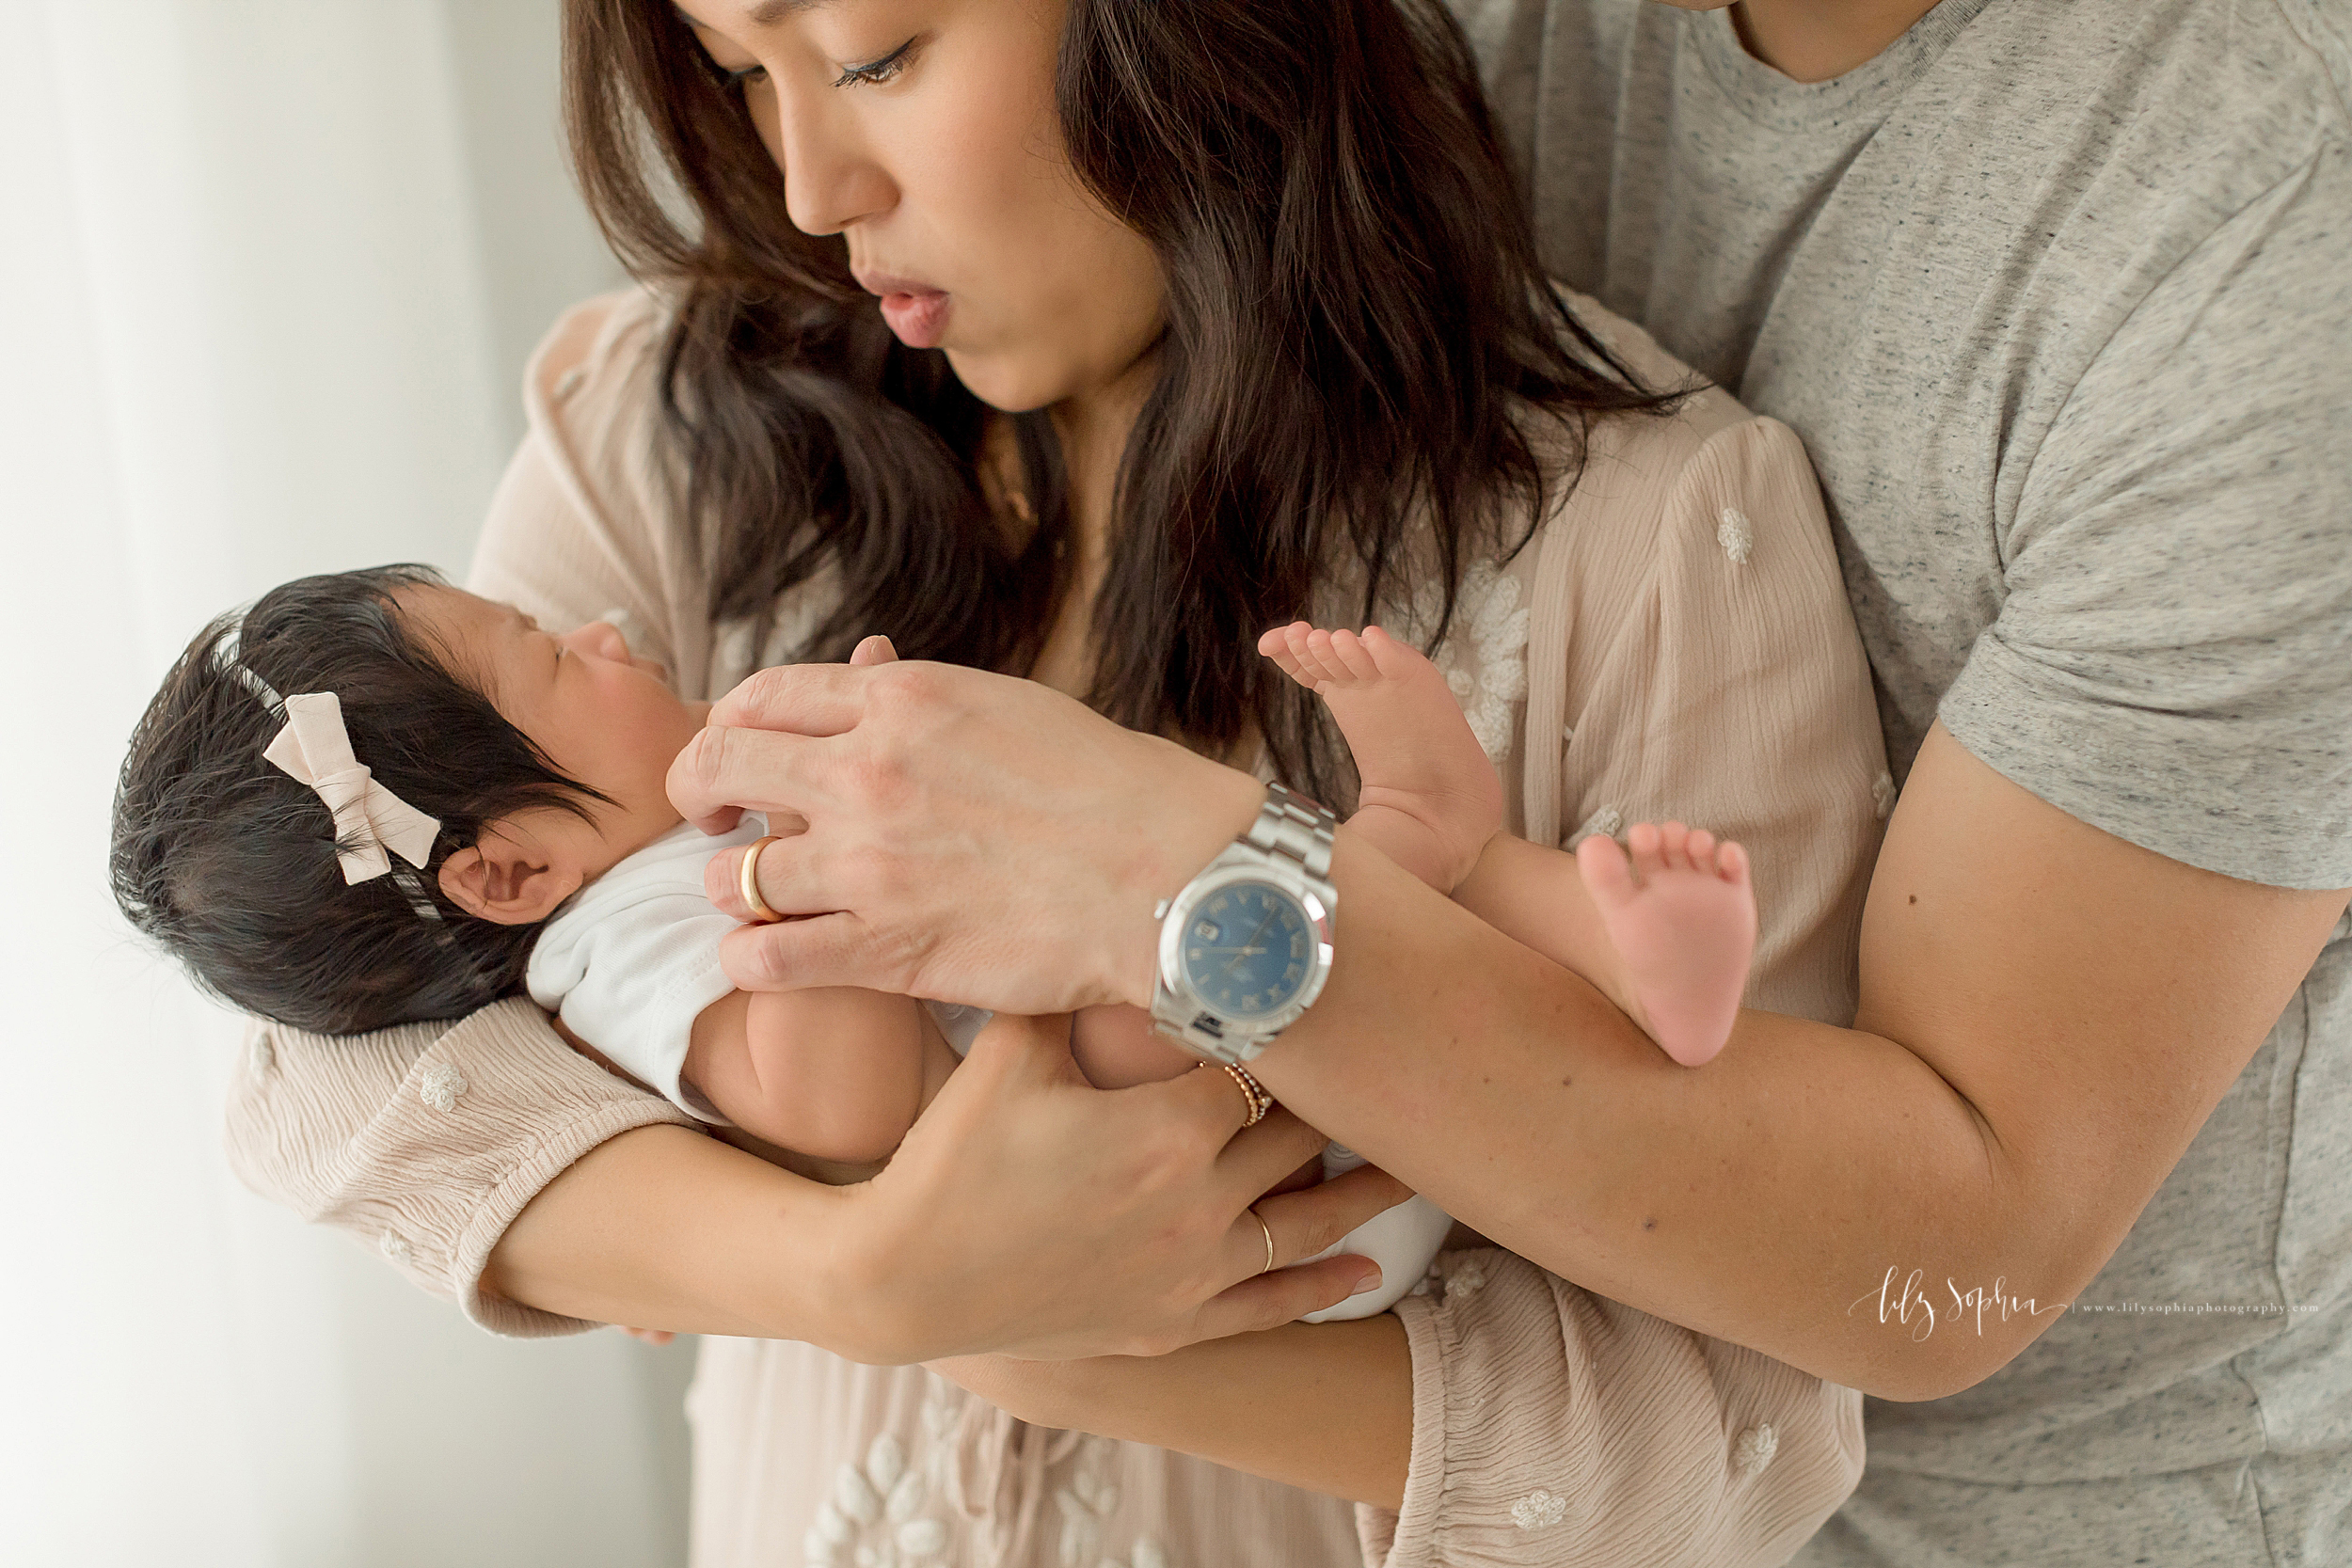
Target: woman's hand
(1030, 1213)
(971, 837)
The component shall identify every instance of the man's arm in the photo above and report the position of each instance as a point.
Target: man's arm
(2048, 1015)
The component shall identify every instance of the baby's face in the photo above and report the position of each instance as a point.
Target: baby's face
(602, 717)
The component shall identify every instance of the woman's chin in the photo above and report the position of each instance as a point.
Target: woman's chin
(1006, 383)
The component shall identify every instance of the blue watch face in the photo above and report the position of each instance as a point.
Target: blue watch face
(1249, 950)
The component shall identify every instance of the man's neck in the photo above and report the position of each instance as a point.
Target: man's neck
(1812, 40)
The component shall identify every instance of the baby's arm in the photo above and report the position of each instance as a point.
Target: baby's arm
(834, 1072)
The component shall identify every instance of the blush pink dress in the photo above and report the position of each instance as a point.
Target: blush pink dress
(1674, 641)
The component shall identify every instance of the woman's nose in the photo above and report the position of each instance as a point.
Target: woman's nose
(831, 178)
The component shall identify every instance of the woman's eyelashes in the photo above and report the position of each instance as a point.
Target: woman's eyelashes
(875, 74)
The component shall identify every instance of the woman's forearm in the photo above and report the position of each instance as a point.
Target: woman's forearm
(1002, 1223)
(1327, 1408)
(663, 1227)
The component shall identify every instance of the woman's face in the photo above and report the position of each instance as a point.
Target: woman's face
(923, 132)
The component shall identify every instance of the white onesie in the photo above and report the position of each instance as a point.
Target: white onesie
(633, 960)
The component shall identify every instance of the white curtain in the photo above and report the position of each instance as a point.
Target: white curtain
(267, 272)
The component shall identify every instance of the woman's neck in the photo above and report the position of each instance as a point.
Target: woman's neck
(1093, 429)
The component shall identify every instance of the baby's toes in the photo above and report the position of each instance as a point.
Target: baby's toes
(1645, 845)
(1276, 646)
(1317, 657)
(1390, 659)
(1607, 875)
(1700, 847)
(1731, 864)
(1674, 846)
(1354, 657)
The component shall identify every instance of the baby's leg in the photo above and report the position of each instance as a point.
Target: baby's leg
(1682, 935)
(1671, 950)
(1430, 799)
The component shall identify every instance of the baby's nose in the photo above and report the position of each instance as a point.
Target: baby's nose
(602, 639)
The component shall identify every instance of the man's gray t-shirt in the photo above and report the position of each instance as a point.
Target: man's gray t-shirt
(2060, 297)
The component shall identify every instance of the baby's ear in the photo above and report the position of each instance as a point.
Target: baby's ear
(507, 880)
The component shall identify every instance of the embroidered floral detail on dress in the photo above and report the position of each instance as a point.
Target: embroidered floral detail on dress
(1485, 652)
(1468, 1279)
(1487, 613)
(264, 1057)
(1734, 534)
(1539, 1510)
(894, 1509)
(1883, 795)
(392, 1246)
(1608, 822)
(439, 1085)
(876, 1518)
(1754, 1449)
(1086, 1504)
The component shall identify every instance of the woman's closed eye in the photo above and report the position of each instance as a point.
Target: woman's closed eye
(875, 72)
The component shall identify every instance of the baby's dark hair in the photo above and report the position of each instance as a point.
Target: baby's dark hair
(230, 864)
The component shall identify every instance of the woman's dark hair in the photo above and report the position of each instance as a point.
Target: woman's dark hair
(230, 864)
(1357, 333)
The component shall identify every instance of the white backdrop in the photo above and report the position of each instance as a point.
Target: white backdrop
(267, 272)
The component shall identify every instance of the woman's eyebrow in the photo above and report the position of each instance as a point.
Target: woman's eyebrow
(767, 13)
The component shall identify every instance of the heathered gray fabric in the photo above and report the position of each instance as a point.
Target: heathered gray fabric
(2060, 297)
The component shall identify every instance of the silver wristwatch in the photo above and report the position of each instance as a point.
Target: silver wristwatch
(1245, 946)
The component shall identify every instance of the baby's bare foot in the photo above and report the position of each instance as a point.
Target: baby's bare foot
(1430, 799)
(1684, 932)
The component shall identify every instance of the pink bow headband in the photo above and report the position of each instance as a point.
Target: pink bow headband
(371, 824)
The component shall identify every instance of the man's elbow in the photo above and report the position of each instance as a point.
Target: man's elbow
(1961, 1352)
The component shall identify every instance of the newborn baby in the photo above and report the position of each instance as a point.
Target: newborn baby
(375, 798)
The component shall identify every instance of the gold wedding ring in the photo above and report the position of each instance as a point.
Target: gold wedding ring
(1252, 1092)
(748, 880)
(1269, 1238)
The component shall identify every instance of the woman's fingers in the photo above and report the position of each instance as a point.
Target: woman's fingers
(803, 699)
(1269, 1301)
(1290, 1227)
(723, 876)
(724, 767)
(1312, 1219)
(836, 949)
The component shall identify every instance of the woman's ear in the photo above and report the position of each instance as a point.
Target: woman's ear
(507, 879)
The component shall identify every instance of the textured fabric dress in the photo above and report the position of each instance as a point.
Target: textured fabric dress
(1672, 641)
